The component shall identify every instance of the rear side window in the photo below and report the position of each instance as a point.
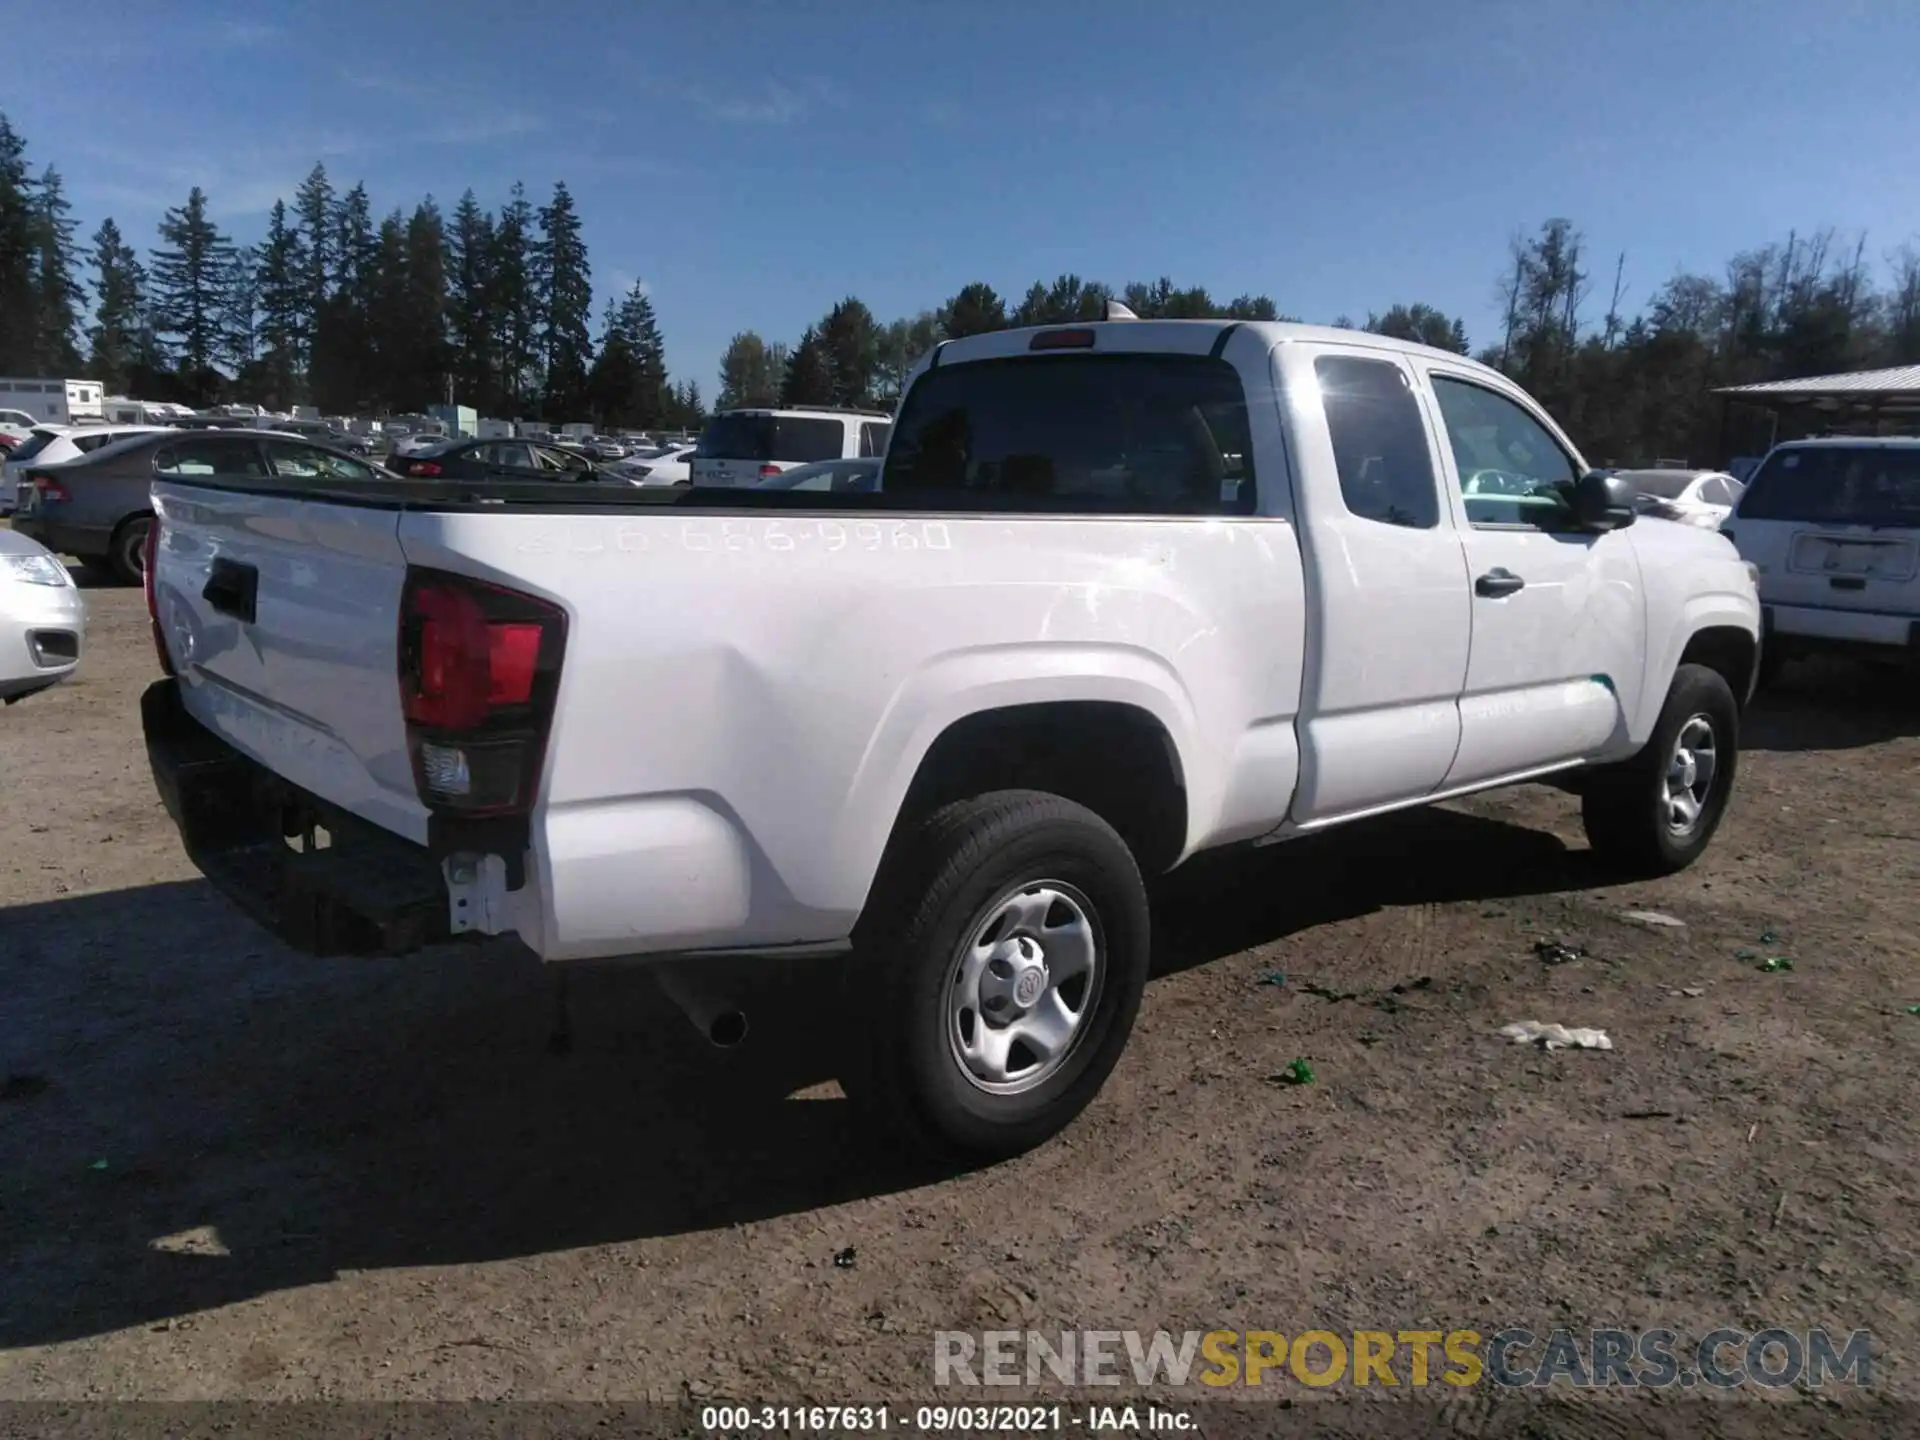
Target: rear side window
(1837, 485)
(1116, 434)
(32, 445)
(873, 440)
(1379, 441)
(239, 459)
(303, 462)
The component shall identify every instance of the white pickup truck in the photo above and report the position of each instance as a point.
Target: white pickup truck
(1127, 592)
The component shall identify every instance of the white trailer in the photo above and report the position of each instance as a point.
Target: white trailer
(54, 402)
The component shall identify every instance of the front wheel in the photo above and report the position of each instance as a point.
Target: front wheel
(1006, 956)
(1655, 813)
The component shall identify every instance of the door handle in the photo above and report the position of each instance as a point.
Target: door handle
(1497, 583)
(233, 589)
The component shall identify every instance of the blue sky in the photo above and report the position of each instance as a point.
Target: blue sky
(754, 162)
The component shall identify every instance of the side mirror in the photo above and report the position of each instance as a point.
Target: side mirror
(1603, 501)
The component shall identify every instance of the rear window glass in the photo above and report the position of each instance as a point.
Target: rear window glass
(1837, 485)
(32, 445)
(1127, 434)
(790, 439)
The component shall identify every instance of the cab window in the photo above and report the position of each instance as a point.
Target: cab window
(1512, 471)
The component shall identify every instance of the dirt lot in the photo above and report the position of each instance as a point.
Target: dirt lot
(249, 1175)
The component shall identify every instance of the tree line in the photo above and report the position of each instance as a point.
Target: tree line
(331, 307)
(1629, 387)
(493, 307)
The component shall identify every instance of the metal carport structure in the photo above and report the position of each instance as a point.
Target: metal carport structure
(1863, 402)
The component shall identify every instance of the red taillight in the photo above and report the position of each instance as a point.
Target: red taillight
(478, 668)
(1062, 340)
(49, 488)
(149, 554)
(767, 472)
(425, 468)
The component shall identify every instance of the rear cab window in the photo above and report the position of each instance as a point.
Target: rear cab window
(1118, 434)
(1876, 485)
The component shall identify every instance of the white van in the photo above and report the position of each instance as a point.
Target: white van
(1833, 527)
(744, 447)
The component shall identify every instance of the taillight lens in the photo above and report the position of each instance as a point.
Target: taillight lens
(424, 468)
(149, 555)
(479, 665)
(767, 472)
(49, 488)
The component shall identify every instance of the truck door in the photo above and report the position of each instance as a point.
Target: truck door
(1389, 611)
(1558, 613)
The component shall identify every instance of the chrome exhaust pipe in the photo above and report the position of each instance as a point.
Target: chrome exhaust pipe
(713, 1015)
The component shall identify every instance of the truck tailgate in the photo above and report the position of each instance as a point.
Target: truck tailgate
(282, 617)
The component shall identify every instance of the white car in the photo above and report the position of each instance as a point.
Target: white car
(744, 447)
(43, 619)
(1127, 592)
(54, 445)
(1833, 528)
(662, 467)
(1693, 497)
(17, 423)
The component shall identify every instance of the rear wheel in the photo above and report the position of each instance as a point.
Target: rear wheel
(127, 555)
(1005, 960)
(1655, 813)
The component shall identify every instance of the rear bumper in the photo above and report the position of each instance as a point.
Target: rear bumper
(368, 892)
(1806, 628)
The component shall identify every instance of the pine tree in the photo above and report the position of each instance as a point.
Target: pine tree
(389, 370)
(115, 340)
(427, 360)
(749, 373)
(313, 205)
(642, 332)
(512, 305)
(469, 298)
(17, 252)
(809, 378)
(851, 339)
(343, 371)
(613, 385)
(240, 318)
(281, 280)
(564, 287)
(57, 294)
(190, 275)
(974, 311)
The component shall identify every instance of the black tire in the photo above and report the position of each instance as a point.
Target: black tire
(1626, 809)
(127, 559)
(939, 884)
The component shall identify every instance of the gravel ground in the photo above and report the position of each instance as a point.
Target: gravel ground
(229, 1172)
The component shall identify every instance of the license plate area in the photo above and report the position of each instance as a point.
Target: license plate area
(1864, 557)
